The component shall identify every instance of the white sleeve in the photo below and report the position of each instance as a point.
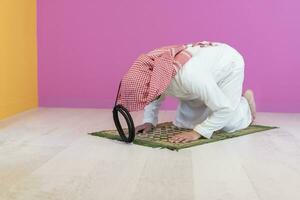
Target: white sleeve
(213, 97)
(151, 111)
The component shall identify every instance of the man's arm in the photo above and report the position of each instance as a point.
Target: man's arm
(151, 111)
(215, 99)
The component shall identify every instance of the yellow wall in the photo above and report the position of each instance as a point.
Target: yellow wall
(18, 56)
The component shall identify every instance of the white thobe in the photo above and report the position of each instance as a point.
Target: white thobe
(209, 88)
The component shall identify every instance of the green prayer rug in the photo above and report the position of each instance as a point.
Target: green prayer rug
(158, 137)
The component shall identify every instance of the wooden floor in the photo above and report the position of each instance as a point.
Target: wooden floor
(46, 154)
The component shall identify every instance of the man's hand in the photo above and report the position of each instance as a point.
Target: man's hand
(144, 128)
(185, 137)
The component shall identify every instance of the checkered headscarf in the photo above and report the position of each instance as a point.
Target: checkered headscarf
(150, 75)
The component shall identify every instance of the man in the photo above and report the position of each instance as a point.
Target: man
(207, 79)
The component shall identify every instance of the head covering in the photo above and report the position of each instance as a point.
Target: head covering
(150, 75)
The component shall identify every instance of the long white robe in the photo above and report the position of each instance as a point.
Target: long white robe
(209, 88)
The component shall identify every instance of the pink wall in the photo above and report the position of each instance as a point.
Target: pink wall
(86, 46)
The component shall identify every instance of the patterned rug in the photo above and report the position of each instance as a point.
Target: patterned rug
(159, 136)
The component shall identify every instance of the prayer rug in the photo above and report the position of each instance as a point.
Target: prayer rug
(158, 137)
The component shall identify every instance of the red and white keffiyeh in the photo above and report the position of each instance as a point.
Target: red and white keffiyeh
(150, 75)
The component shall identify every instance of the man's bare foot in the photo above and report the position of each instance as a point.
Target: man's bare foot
(249, 95)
